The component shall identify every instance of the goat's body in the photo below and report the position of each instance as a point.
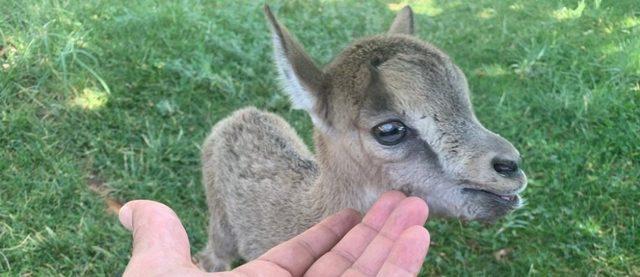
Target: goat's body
(255, 156)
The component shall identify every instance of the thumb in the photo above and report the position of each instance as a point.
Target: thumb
(159, 240)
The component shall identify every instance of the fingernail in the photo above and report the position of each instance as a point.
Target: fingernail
(126, 215)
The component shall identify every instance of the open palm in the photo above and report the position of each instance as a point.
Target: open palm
(389, 240)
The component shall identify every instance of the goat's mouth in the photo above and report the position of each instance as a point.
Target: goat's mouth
(505, 199)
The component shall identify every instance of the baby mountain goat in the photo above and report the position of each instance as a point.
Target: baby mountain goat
(391, 112)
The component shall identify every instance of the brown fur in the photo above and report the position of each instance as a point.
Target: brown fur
(264, 186)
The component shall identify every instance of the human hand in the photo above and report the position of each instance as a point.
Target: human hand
(389, 240)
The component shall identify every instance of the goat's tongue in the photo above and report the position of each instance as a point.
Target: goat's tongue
(508, 197)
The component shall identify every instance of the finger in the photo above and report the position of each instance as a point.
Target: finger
(297, 254)
(408, 252)
(411, 211)
(343, 255)
(159, 240)
(380, 211)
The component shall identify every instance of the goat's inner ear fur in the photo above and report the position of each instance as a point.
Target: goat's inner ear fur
(302, 80)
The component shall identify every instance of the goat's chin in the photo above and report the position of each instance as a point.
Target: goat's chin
(470, 206)
(488, 208)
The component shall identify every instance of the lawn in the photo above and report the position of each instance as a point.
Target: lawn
(120, 94)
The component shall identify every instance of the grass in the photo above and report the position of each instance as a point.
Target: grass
(125, 91)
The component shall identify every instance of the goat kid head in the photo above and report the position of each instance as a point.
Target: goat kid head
(400, 108)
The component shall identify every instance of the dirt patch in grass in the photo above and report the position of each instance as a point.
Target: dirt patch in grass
(101, 188)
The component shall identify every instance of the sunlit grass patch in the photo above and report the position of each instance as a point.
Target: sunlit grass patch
(565, 13)
(591, 227)
(8, 54)
(516, 7)
(487, 13)
(89, 99)
(630, 22)
(427, 7)
(610, 48)
(491, 70)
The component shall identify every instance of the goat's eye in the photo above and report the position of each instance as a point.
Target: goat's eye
(389, 133)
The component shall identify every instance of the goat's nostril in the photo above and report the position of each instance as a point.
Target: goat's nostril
(505, 167)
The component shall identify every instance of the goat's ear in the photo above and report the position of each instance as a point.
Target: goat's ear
(403, 23)
(302, 79)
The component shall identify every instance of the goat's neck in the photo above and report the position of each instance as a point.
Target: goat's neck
(343, 182)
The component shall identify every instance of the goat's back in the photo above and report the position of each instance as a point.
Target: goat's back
(257, 170)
